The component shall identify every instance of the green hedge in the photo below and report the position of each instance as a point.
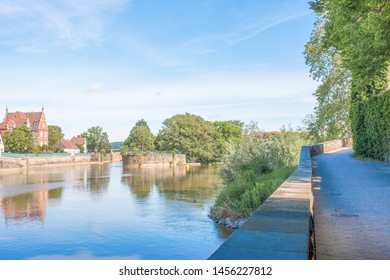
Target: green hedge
(371, 126)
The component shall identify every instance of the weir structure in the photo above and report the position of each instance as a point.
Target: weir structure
(282, 227)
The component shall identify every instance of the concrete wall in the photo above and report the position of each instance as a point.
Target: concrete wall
(116, 156)
(37, 161)
(282, 227)
(155, 159)
(330, 146)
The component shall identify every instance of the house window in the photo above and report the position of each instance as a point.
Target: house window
(10, 128)
(36, 125)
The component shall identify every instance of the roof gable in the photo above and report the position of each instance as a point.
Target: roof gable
(66, 144)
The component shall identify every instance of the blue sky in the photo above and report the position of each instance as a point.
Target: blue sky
(113, 62)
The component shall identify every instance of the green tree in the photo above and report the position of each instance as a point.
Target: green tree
(81, 148)
(55, 134)
(97, 140)
(140, 138)
(189, 134)
(225, 133)
(351, 41)
(20, 140)
(142, 122)
(330, 119)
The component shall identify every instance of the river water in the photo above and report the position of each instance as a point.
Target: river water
(106, 211)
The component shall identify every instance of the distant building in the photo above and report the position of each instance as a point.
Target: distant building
(36, 121)
(72, 146)
(69, 146)
(78, 140)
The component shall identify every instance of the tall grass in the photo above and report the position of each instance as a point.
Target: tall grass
(254, 169)
(239, 198)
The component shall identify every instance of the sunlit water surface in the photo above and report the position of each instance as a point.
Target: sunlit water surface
(106, 211)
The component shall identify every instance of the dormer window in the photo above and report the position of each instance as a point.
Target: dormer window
(36, 125)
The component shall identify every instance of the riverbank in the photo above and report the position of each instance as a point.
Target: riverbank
(240, 198)
(15, 163)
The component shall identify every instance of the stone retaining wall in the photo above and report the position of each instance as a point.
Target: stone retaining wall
(330, 146)
(155, 159)
(6, 163)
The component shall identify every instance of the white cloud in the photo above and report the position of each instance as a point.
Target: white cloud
(242, 31)
(98, 87)
(36, 26)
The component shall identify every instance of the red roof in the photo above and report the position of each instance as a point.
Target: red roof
(78, 140)
(34, 117)
(16, 119)
(67, 144)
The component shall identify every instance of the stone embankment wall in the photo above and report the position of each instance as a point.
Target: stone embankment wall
(282, 227)
(155, 159)
(6, 163)
(116, 156)
(330, 146)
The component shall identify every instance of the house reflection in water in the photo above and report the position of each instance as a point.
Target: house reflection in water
(28, 206)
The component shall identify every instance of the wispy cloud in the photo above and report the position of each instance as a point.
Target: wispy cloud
(39, 25)
(256, 27)
(241, 32)
(98, 87)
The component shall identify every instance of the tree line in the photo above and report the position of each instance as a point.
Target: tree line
(202, 141)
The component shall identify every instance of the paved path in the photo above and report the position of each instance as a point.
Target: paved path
(351, 208)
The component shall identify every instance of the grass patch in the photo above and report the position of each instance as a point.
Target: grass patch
(239, 198)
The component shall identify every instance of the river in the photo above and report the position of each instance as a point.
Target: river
(107, 211)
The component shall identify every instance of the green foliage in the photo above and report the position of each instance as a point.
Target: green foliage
(140, 138)
(45, 148)
(371, 127)
(330, 119)
(189, 134)
(240, 197)
(55, 134)
(81, 148)
(125, 151)
(354, 36)
(19, 141)
(97, 140)
(256, 155)
(36, 149)
(359, 30)
(254, 168)
(142, 122)
(226, 132)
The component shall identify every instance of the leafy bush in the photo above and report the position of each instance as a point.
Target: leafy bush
(253, 170)
(239, 198)
(371, 126)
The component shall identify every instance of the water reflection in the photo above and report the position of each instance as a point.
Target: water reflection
(28, 206)
(96, 179)
(108, 211)
(195, 185)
